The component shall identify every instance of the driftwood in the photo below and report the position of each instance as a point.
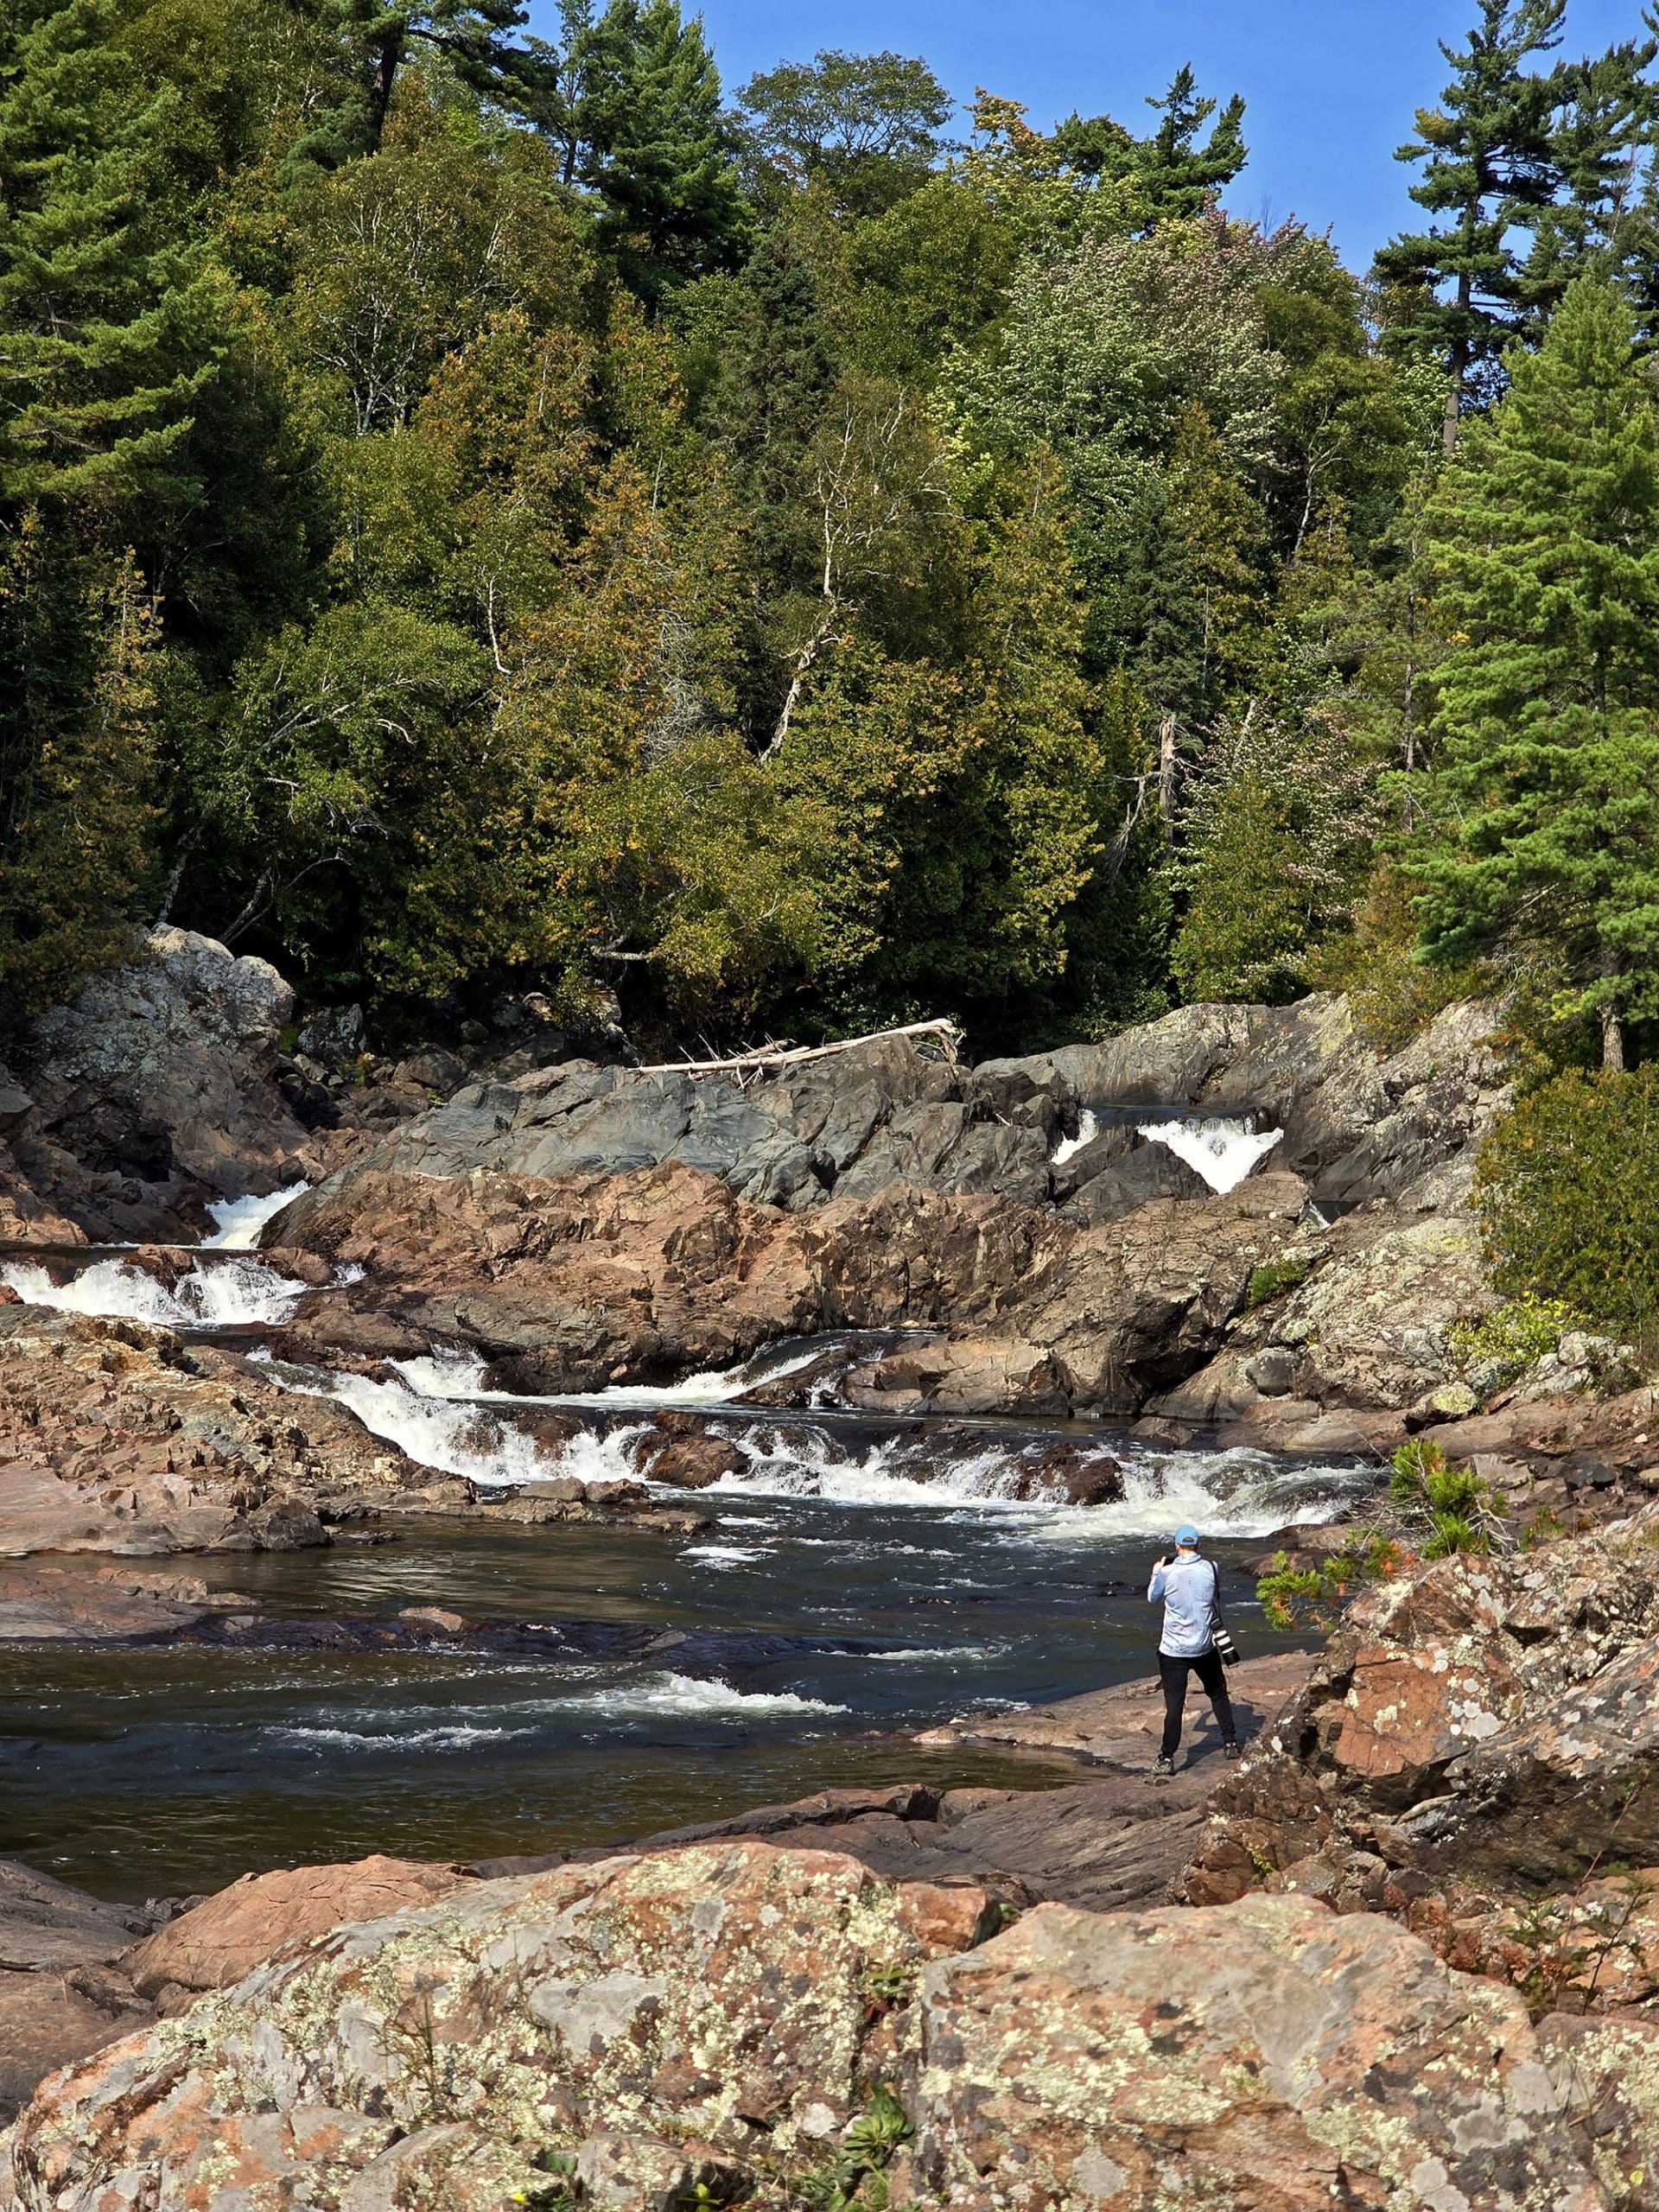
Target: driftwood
(779, 1056)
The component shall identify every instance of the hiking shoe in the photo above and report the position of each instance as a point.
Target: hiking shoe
(1162, 1765)
(1232, 1751)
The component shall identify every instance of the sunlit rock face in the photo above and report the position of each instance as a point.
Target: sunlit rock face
(748, 2018)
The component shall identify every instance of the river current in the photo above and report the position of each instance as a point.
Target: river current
(858, 1581)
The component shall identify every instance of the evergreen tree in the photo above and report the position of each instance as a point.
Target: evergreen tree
(1545, 538)
(634, 104)
(107, 333)
(1488, 162)
(77, 740)
(473, 37)
(1177, 178)
(1602, 216)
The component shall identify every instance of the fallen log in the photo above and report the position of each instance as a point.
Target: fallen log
(778, 1056)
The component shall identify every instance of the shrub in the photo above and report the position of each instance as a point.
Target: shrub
(1311, 1597)
(1567, 1196)
(1511, 1337)
(1447, 1503)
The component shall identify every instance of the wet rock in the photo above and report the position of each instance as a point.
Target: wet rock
(629, 1275)
(688, 1457)
(48, 1927)
(55, 1604)
(219, 1941)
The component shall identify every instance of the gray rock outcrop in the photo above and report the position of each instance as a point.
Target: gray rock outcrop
(587, 1223)
(152, 1087)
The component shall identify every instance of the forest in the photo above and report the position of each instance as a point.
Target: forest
(481, 513)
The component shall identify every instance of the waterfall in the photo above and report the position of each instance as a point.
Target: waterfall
(1223, 1150)
(240, 1220)
(1088, 1130)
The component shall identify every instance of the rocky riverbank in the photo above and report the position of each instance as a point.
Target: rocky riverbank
(1407, 1956)
(979, 1999)
(1025, 1237)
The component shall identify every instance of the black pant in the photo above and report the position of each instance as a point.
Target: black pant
(1210, 1671)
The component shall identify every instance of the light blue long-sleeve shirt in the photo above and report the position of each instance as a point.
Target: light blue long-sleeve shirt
(1188, 1590)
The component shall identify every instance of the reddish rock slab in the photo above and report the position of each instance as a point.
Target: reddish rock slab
(227, 1935)
(1265, 2055)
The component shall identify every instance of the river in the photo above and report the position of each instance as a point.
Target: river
(859, 1582)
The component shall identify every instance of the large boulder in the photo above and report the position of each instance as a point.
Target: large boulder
(1267, 2056)
(153, 1088)
(1485, 1721)
(752, 2019)
(1357, 1125)
(226, 1936)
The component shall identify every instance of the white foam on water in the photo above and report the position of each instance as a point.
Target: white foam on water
(444, 1374)
(240, 1220)
(456, 1374)
(1237, 1493)
(1223, 1150)
(690, 1698)
(458, 1738)
(1088, 1130)
(725, 1554)
(458, 1439)
(238, 1293)
(974, 1651)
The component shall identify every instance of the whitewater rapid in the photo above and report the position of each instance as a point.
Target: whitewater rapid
(436, 1409)
(230, 1294)
(240, 1220)
(1224, 1150)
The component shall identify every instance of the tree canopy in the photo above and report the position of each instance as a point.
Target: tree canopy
(482, 513)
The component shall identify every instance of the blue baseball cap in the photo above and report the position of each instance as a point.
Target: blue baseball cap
(1188, 1535)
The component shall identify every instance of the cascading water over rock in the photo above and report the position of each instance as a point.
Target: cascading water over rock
(1224, 1150)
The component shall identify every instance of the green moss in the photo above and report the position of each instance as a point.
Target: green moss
(1272, 1278)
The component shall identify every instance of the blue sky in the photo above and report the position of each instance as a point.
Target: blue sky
(1331, 83)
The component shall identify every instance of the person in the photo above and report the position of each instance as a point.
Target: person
(1188, 1587)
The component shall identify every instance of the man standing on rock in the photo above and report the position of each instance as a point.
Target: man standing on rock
(1189, 1587)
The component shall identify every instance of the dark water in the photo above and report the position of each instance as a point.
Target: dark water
(172, 1769)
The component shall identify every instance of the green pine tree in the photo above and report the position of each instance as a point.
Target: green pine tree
(1177, 175)
(1544, 539)
(106, 330)
(661, 154)
(1602, 145)
(474, 38)
(1488, 163)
